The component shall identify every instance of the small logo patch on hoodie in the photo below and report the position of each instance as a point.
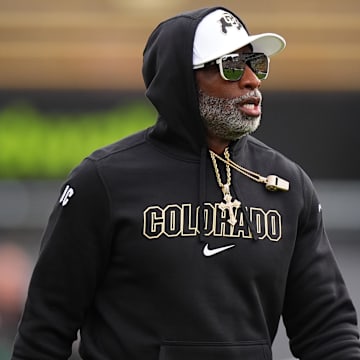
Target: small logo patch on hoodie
(66, 195)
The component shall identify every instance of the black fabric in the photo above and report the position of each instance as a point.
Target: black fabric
(214, 351)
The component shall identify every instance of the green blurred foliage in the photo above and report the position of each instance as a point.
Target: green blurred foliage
(34, 145)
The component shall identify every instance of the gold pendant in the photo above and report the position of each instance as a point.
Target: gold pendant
(229, 204)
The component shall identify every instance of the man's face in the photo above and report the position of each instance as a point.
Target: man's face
(229, 109)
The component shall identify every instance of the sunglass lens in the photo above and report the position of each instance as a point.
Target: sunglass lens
(233, 66)
(259, 64)
(233, 74)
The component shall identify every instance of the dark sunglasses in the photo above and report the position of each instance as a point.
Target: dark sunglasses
(232, 66)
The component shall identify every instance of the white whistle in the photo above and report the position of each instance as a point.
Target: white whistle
(274, 183)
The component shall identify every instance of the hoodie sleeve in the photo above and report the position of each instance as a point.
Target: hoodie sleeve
(73, 255)
(318, 314)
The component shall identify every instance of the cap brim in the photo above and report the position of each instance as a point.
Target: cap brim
(267, 43)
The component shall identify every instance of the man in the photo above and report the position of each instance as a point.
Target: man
(190, 239)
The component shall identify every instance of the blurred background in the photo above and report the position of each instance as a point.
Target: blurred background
(70, 81)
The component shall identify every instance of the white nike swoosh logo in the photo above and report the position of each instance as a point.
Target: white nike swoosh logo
(211, 252)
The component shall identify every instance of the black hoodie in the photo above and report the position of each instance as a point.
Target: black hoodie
(131, 254)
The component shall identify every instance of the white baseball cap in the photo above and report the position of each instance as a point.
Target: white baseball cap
(220, 33)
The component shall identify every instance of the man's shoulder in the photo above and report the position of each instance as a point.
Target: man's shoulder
(269, 157)
(113, 156)
(119, 147)
(266, 150)
(253, 141)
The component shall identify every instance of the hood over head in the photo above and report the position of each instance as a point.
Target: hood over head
(170, 81)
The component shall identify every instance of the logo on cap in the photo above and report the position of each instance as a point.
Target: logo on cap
(228, 20)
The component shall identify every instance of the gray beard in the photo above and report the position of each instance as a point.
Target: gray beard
(223, 118)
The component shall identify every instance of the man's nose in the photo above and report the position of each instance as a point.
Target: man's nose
(249, 80)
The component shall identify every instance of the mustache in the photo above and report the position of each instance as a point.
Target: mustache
(250, 95)
(253, 94)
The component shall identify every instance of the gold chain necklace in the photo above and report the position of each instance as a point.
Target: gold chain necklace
(228, 203)
(272, 182)
(217, 172)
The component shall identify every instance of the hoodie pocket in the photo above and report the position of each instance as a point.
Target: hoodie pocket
(178, 350)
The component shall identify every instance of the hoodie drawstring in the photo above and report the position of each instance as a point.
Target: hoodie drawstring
(202, 192)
